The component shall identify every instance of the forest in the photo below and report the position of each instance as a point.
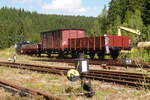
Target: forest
(134, 14)
(19, 25)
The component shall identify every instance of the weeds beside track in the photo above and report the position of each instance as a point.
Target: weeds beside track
(16, 88)
(127, 78)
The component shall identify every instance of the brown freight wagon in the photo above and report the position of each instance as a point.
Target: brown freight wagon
(56, 41)
(100, 45)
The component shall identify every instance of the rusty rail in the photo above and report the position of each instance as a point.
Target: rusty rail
(31, 91)
(96, 62)
(136, 79)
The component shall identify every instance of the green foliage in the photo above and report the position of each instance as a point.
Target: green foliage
(20, 25)
(6, 53)
(130, 13)
(146, 12)
(146, 32)
(96, 28)
(133, 20)
(140, 54)
(100, 24)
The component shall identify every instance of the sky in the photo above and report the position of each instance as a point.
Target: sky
(61, 7)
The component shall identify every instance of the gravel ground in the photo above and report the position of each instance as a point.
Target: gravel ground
(29, 60)
(58, 85)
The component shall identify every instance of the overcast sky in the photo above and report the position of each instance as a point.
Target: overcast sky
(65, 7)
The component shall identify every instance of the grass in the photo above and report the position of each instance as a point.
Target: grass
(102, 93)
(140, 55)
(7, 52)
(58, 84)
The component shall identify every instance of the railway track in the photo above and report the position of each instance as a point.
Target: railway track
(126, 78)
(98, 62)
(26, 91)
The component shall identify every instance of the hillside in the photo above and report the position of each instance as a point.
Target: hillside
(18, 25)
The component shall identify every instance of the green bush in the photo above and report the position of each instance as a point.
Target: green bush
(140, 54)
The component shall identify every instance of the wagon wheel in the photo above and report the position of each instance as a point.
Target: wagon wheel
(114, 54)
(92, 55)
(101, 56)
(74, 55)
(49, 54)
(39, 54)
(30, 53)
(79, 55)
(61, 55)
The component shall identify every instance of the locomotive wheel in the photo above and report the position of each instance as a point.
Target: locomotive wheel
(114, 54)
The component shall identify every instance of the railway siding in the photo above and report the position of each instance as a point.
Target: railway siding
(27, 90)
(134, 79)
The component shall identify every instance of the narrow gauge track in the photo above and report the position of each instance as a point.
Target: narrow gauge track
(24, 91)
(97, 62)
(127, 78)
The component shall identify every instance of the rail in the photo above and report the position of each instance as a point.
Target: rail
(18, 88)
(128, 78)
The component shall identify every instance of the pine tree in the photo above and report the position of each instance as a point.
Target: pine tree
(100, 25)
(146, 12)
(19, 25)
